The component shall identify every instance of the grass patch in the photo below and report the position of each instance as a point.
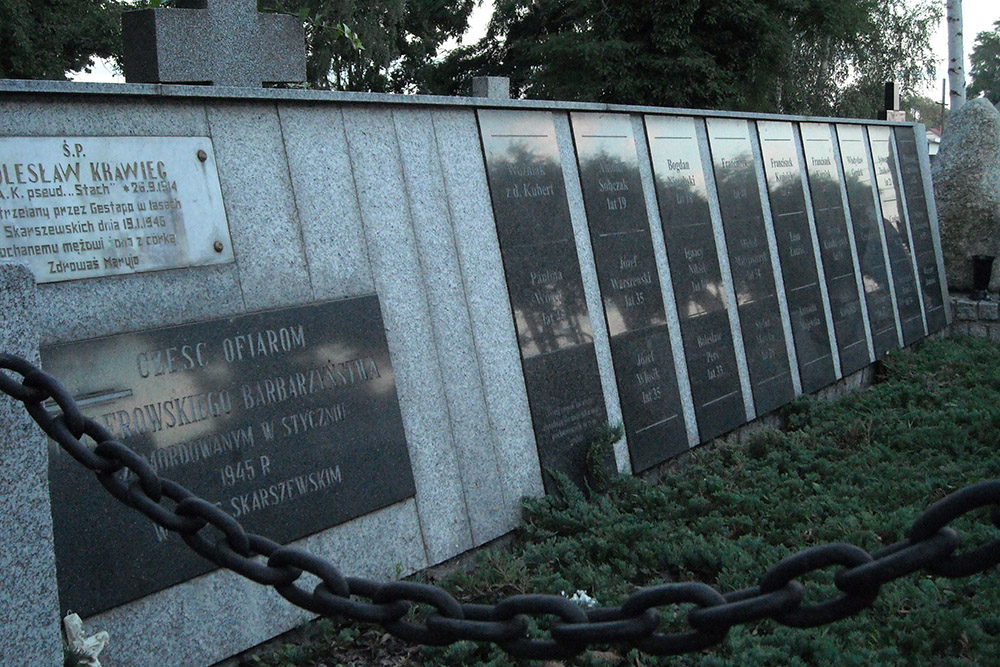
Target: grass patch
(858, 470)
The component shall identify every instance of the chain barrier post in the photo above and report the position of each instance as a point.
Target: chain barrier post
(29, 608)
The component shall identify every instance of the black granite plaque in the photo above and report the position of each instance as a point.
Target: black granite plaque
(920, 227)
(682, 196)
(835, 246)
(630, 284)
(567, 406)
(750, 263)
(287, 419)
(545, 285)
(867, 239)
(793, 237)
(897, 235)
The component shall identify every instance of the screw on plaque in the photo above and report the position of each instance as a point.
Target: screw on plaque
(218, 246)
(202, 155)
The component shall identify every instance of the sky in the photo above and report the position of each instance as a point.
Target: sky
(977, 16)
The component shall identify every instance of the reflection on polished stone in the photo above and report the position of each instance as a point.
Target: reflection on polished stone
(682, 196)
(920, 227)
(630, 283)
(897, 238)
(867, 240)
(545, 285)
(750, 263)
(793, 237)
(288, 420)
(835, 246)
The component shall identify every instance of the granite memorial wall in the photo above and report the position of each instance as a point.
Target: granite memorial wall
(376, 327)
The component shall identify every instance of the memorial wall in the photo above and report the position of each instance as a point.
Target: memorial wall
(377, 326)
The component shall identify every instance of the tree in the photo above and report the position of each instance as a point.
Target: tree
(400, 39)
(793, 56)
(986, 65)
(924, 110)
(44, 39)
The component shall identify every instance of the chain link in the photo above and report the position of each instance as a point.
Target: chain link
(930, 545)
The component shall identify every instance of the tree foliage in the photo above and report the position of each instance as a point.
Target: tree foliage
(400, 39)
(43, 39)
(793, 56)
(924, 110)
(986, 65)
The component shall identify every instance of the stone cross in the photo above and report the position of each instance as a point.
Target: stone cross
(221, 42)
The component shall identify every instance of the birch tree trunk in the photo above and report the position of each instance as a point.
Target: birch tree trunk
(956, 55)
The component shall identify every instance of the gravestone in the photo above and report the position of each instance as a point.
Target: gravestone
(868, 241)
(220, 42)
(835, 243)
(418, 307)
(554, 330)
(928, 271)
(633, 300)
(967, 191)
(897, 234)
(692, 248)
(750, 260)
(794, 238)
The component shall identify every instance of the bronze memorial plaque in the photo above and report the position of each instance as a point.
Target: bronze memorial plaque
(288, 420)
(83, 207)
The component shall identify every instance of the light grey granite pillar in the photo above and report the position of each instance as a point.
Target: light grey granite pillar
(29, 604)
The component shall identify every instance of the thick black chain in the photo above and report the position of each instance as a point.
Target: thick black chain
(930, 545)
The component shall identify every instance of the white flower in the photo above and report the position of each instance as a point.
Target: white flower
(88, 647)
(581, 598)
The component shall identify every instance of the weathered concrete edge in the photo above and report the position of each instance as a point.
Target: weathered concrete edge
(25, 86)
(29, 606)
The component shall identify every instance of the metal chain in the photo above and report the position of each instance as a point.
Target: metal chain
(930, 545)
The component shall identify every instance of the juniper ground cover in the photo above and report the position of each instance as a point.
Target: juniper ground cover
(858, 469)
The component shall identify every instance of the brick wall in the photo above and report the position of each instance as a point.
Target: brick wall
(976, 318)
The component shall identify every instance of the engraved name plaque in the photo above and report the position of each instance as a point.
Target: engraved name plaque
(750, 262)
(897, 234)
(83, 207)
(633, 303)
(682, 196)
(287, 420)
(867, 238)
(920, 227)
(546, 287)
(835, 246)
(793, 237)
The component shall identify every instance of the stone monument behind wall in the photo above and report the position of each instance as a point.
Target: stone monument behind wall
(220, 42)
(967, 189)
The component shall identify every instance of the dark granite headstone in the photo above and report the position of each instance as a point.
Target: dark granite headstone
(546, 289)
(633, 303)
(897, 234)
(920, 228)
(835, 246)
(793, 236)
(867, 238)
(682, 196)
(750, 263)
(287, 419)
